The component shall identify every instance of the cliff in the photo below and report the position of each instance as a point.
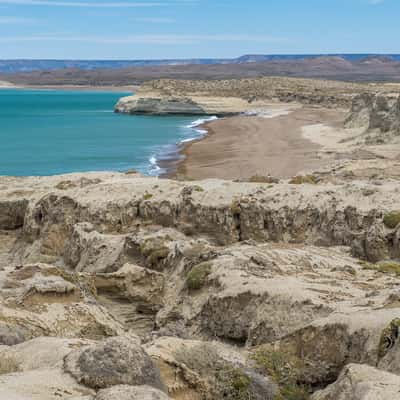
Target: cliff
(376, 112)
(226, 97)
(118, 286)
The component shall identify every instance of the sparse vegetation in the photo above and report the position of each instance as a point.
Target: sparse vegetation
(232, 383)
(263, 179)
(131, 172)
(392, 219)
(147, 196)
(387, 267)
(219, 379)
(8, 365)
(235, 207)
(154, 250)
(302, 179)
(197, 277)
(285, 369)
(197, 188)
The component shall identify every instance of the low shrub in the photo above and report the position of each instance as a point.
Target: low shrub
(285, 369)
(302, 179)
(198, 275)
(263, 179)
(147, 196)
(392, 219)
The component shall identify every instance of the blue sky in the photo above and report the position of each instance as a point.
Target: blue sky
(129, 29)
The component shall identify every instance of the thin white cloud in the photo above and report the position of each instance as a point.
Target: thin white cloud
(147, 39)
(14, 20)
(154, 20)
(83, 4)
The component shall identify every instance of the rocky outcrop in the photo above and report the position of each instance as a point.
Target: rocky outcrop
(234, 96)
(223, 212)
(159, 106)
(375, 113)
(206, 290)
(360, 382)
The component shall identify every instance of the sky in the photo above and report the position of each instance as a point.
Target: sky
(154, 29)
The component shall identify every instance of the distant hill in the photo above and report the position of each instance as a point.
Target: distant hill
(351, 68)
(15, 66)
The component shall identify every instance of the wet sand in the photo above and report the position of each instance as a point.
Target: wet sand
(241, 147)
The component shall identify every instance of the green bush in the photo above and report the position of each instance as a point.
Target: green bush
(147, 196)
(388, 267)
(392, 219)
(300, 179)
(285, 369)
(154, 250)
(263, 179)
(219, 378)
(232, 383)
(197, 277)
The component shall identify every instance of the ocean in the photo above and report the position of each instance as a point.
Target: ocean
(47, 132)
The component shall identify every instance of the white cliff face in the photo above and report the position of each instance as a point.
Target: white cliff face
(158, 106)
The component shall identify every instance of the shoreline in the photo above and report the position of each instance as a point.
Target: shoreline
(168, 160)
(243, 146)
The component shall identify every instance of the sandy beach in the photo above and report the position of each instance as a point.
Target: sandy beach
(244, 146)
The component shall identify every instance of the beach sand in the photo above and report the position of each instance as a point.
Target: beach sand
(244, 146)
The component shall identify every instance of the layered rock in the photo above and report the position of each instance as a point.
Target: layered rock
(376, 113)
(197, 288)
(226, 97)
(159, 106)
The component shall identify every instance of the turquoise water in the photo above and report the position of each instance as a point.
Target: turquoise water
(50, 132)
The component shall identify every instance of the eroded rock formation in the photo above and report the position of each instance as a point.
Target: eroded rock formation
(118, 286)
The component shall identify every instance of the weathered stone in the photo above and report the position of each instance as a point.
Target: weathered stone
(208, 370)
(11, 335)
(12, 214)
(361, 382)
(115, 361)
(125, 392)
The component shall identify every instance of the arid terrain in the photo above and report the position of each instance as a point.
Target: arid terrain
(368, 69)
(269, 270)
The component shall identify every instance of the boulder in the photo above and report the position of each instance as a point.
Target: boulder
(11, 335)
(361, 382)
(114, 361)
